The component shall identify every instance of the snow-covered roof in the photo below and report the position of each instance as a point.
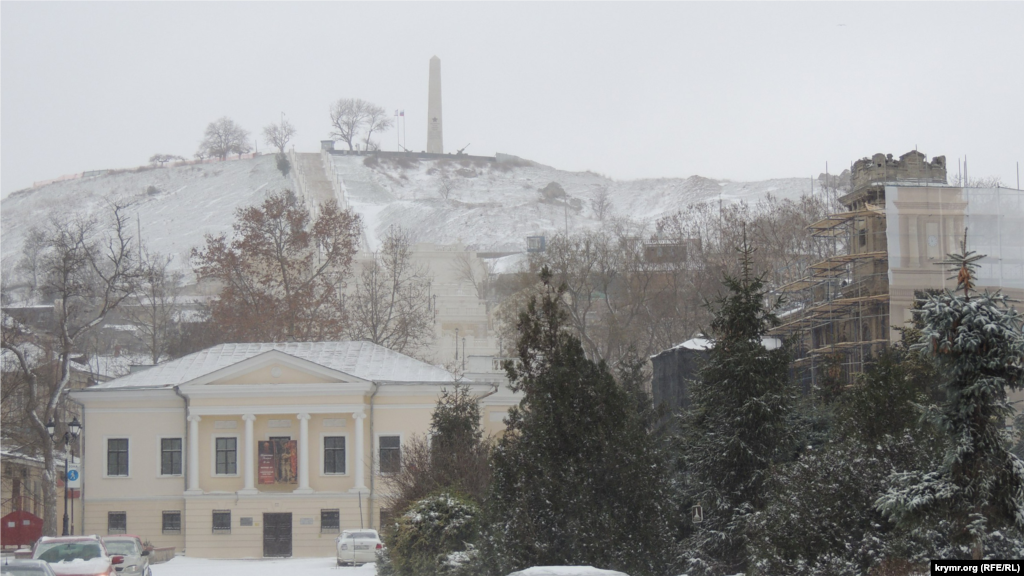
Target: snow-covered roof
(7, 454)
(769, 342)
(360, 359)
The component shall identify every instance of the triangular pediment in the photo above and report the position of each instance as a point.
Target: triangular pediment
(271, 368)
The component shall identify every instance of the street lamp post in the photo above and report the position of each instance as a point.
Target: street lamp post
(72, 432)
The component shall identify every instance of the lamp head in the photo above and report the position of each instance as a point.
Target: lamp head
(75, 427)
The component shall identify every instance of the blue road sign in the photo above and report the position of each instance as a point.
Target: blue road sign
(72, 475)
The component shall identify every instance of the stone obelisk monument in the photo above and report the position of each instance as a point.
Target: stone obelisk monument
(435, 143)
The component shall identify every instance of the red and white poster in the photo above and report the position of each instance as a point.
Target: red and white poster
(278, 462)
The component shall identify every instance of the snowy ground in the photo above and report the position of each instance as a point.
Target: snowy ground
(184, 566)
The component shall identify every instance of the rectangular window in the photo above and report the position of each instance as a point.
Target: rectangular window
(170, 456)
(227, 456)
(334, 455)
(222, 521)
(390, 454)
(330, 521)
(117, 457)
(117, 522)
(172, 522)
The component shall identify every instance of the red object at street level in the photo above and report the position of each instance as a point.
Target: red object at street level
(20, 528)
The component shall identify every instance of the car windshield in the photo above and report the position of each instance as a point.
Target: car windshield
(354, 535)
(54, 552)
(124, 547)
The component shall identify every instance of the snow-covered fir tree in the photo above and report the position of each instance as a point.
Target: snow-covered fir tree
(737, 426)
(579, 478)
(819, 515)
(977, 491)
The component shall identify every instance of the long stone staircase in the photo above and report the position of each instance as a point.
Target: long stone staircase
(311, 180)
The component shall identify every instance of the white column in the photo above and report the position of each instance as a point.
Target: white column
(303, 454)
(360, 472)
(193, 454)
(249, 456)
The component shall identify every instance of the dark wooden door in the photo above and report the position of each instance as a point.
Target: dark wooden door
(277, 534)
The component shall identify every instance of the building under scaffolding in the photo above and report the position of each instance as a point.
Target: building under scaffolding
(899, 220)
(841, 315)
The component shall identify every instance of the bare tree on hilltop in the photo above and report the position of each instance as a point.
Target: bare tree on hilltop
(224, 137)
(89, 267)
(350, 115)
(377, 120)
(278, 135)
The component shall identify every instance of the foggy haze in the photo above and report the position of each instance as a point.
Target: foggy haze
(725, 90)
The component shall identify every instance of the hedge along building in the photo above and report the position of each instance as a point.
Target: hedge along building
(251, 450)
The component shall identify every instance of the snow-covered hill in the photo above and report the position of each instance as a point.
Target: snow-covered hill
(492, 207)
(173, 207)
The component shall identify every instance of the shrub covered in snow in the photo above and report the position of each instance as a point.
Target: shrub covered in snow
(434, 537)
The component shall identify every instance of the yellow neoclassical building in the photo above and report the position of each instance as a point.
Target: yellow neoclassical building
(252, 450)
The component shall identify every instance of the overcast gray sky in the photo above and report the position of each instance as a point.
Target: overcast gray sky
(725, 90)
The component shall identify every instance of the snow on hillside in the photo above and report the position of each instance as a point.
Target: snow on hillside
(492, 207)
(174, 207)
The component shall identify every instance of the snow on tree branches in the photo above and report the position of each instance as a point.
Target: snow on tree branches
(977, 343)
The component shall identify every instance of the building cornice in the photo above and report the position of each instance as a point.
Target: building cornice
(257, 410)
(274, 389)
(93, 396)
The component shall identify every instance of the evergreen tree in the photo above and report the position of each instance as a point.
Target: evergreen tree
(455, 458)
(737, 425)
(578, 476)
(819, 517)
(978, 489)
(438, 491)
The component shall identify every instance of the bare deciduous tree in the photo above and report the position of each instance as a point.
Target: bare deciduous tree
(976, 182)
(89, 268)
(347, 117)
(223, 137)
(282, 271)
(475, 271)
(601, 203)
(377, 120)
(29, 267)
(447, 184)
(350, 115)
(154, 315)
(390, 305)
(278, 135)
(162, 159)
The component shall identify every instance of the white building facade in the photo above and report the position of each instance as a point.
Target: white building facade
(253, 450)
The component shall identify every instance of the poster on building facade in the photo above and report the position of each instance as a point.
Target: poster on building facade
(278, 462)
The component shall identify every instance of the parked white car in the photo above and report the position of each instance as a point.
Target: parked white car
(136, 557)
(358, 546)
(566, 571)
